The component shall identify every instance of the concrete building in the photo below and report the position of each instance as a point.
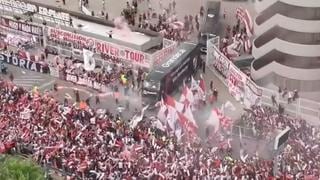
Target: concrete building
(287, 44)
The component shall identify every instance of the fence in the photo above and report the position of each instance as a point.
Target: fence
(301, 108)
(246, 91)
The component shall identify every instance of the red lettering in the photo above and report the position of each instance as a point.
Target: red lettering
(127, 54)
(105, 48)
(112, 51)
(98, 47)
(132, 56)
(141, 58)
(136, 57)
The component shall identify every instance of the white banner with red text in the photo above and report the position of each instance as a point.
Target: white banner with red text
(86, 82)
(253, 94)
(236, 82)
(112, 50)
(168, 48)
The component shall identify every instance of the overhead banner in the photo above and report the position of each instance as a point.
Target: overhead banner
(24, 63)
(253, 94)
(21, 26)
(113, 51)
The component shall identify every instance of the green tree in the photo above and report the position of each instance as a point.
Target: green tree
(16, 168)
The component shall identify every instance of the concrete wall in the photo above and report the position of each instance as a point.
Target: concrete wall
(287, 44)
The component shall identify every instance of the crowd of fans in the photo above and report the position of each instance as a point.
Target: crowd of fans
(92, 144)
(105, 75)
(96, 144)
(164, 22)
(300, 157)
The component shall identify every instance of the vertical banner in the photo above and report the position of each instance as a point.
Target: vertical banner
(236, 82)
(221, 63)
(253, 94)
(89, 61)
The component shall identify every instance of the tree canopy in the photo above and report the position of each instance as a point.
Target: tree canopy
(16, 168)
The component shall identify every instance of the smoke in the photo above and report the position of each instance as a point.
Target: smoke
(121, 25)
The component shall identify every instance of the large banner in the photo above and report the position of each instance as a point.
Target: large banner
(86, 82)
(113, 51)
(253, 94)
(221, 63)
(236, 82)
(239, 85)
(24, 63)
(21, 26)
(168, 48)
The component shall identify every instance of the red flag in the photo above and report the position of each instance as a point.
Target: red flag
(186, 96)
(187, 124)
(170, 101)
(202, 84)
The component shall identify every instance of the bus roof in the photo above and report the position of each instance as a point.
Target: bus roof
(177, 57)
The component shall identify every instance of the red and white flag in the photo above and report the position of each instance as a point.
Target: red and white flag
(170, 101)
(186, 96)
(171, 117)
(246, 19)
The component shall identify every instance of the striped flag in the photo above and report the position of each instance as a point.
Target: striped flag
(170, 101)
(245, 18)
(186, 96)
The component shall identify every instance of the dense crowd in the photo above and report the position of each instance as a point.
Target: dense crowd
(301, 154)
(97, 144)
(164, 22)
(91, 144)
(105, 75)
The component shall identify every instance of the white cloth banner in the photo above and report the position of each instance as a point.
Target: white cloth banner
(89, 61)
(221, 63)
(253, 94)
(236, 82)
(87, 82)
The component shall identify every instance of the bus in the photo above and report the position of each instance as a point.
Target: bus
(168, 76)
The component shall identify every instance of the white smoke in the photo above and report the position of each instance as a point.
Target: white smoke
(121, 25)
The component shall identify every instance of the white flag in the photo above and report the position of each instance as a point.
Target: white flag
(137, 118)
(214, 120)
(89, 61)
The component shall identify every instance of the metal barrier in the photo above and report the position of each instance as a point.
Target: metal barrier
(246, 132)
(300, 108)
